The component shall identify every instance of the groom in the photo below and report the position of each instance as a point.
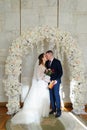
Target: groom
(55, 66)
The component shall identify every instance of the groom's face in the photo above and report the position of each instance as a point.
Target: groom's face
(48, 56)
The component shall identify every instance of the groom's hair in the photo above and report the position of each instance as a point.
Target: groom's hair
(49, 51)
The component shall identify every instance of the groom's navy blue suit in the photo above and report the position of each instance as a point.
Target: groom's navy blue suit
(56, 67)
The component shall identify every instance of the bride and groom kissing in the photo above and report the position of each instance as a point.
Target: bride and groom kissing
(37, 103)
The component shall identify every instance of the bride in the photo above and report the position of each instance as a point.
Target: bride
(37, 103)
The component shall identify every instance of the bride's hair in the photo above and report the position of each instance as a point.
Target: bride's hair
(40, 57)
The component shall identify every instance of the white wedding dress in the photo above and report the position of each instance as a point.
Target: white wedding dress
(37, 103)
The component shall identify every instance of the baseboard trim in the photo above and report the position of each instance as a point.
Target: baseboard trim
(86, 106)
(66, 104)
(3, 104)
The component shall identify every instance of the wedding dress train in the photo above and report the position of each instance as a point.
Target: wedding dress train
(37, 103)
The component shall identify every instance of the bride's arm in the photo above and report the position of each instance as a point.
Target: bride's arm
(41, 75)
(46, 78)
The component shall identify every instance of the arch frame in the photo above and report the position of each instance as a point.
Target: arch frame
(64, 44)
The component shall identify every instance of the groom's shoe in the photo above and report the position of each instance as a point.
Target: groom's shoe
(52, 112)
(58, 114)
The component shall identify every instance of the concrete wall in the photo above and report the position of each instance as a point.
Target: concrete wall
(15, 17)
(19, 15)
(9, 30)
(73, 18)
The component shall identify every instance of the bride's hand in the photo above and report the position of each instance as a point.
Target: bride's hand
(46, 78)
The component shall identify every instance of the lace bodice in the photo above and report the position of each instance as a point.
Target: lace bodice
(41, 75)
(40, 72)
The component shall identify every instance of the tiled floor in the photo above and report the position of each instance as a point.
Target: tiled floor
(4, 117)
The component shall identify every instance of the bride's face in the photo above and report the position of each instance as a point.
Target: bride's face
(44, 58)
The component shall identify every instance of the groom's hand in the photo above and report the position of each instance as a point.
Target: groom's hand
(55, 82)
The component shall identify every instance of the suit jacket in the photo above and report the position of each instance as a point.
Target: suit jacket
(56, 68)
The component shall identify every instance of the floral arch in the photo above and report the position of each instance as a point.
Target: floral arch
(63, 44)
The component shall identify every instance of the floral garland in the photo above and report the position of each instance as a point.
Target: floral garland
(64, 44)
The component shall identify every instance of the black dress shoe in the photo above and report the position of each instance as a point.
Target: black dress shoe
(52, 112)
(58, 114)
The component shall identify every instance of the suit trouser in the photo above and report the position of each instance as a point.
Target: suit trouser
(55, 97)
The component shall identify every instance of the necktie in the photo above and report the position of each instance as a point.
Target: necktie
(49, 63)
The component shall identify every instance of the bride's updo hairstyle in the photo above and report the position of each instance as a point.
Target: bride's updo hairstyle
(40, 57)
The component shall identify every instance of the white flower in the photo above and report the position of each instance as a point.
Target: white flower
(57, 39)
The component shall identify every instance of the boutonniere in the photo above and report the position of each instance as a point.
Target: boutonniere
(52, 70)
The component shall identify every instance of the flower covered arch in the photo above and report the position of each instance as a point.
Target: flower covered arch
(63, 44)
